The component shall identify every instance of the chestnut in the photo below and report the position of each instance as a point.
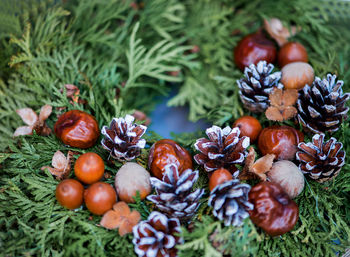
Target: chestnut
(288, 176)
(249, 126)
(254, 48)
(167, 151)
(77, 129)
(130, 178)
(218, 177)
(292, 52)
(69, 193)
(273, 210)
(100, 197)
(281, 141)
(296, 75)
(89, 168)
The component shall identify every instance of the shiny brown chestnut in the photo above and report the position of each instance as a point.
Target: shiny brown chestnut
(254, 48)
(292, 52)
(281, 141)
(249, 126)
(77, 129)
(273, 210)
(164, 152)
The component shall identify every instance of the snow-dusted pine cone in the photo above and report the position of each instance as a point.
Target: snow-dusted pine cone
(174, 194)
(156, 236)
(230, 202)
(321, 160)
(223, 149)
(321, 107)
(123, 138)
(257, 84)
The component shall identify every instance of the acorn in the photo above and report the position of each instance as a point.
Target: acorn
(296, 75)
(254, 48)
(288, 176)
(132, 177)
(292, 52)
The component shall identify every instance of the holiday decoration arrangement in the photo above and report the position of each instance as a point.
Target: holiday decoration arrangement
(83, 175)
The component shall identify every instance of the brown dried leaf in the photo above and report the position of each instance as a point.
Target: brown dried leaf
(28, 116)
(22, 131)
(59, 161)
(282, 102)
(61, 165)
(45, 112)
(278, 32)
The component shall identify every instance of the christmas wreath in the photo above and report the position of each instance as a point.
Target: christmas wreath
(81, 175)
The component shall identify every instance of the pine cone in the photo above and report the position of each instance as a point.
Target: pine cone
(223, 149)
(174, 196)
(257, 84)
(230, 202)
(157, 236)
(321, 160)
(321, 107)
(123, 138)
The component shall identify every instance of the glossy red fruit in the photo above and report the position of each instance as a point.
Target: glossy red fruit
(218, 177)
(249, 126)
(254, 48)
(89, 168)
(280, 140)
(69, 193)
(77, 129)
(167, 151)
(273, 210)
(292, 52)
(100, 197)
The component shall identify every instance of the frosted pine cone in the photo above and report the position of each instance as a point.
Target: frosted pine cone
(123, 138)
(230, 202)
(321, 160)
(156, 237)
(223, 149)
(174, 194)
(257, 84)
(321, 107)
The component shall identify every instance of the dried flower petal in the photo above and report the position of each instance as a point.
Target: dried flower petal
(45, 112)
(28, 116)
(22, 131)
(282, 102)
(61, 165)
(59, 161)
(110, 220)
(278, 32)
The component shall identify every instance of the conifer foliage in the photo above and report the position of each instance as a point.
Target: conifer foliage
(121, 55)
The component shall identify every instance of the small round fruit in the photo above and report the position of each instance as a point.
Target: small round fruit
(100, 197)
(292, 52)
(254, 48)
(281, 141)
(69, 193)
(296, 75)
(131, 178)
(167, 151)
(288, 176)
(77, 129)
(249, 126)
(218, 177)
(89, 168)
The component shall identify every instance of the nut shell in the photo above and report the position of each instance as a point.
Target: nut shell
(77, 129)
(249, 126)
(292, 52)
(281, 141)
(288, 176)
(296, 75)
(254, 48)
(167, 151)
(100, 197)
(69, 193)
(273, 210)
(131, 178)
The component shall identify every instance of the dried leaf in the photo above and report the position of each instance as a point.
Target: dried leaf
(282, 102)
(278, 32)
(45, 112)
(61, 165)
(59, 161)
(28, 116)
(22, 131)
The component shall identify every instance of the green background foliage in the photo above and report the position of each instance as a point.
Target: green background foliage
(122, 55)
